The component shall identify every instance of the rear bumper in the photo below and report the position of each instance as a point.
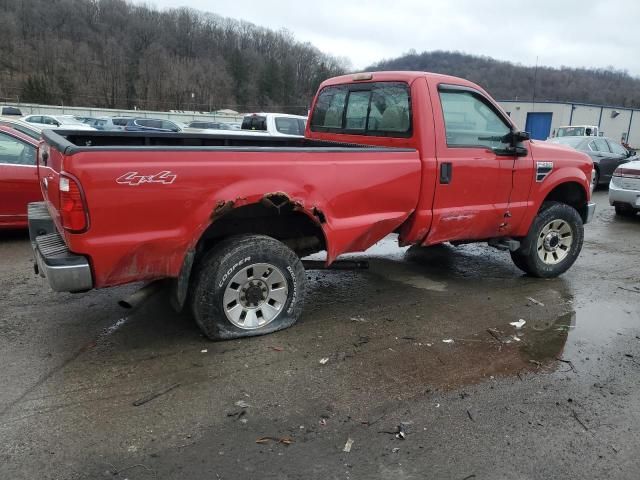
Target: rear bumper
(64, 271)
(619, 196)
(591, 210)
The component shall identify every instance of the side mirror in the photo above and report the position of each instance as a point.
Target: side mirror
(521, 136)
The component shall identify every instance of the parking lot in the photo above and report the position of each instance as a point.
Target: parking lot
(413, 360)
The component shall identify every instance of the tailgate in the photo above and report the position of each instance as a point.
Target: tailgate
(50, 164)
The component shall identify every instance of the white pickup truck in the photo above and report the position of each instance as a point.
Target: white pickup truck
(576, 131)
(275, 124)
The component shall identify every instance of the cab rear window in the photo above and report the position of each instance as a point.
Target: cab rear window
(376, 109)
(254, 122)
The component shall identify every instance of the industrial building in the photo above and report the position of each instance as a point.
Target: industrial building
(542, 118)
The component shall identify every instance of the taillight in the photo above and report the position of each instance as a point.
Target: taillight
(73, 212)
(626, 172)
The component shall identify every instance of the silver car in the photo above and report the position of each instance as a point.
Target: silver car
(624, 189)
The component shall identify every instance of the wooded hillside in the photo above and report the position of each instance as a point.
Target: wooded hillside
(507, 81)
(114, 54)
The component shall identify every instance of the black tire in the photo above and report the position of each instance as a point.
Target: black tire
(519, 260)
(526, 258)
(217, 269)
(624, 211)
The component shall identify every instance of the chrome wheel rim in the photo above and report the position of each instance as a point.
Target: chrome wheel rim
(255, 296)
(554, 242)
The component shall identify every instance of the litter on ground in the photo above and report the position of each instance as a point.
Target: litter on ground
(519, 324)
(347, 446)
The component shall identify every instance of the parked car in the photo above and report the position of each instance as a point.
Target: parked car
(111, 123)
(275, 124)
(151, 125)
(12, 111)
(18, 177)
(624, 189)
(606, 154)
(228, 218)
(63, 122)
(576, 131)
(207, 125)
(28, 129)
(86, 120)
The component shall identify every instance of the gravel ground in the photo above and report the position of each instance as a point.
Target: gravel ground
(421, 342)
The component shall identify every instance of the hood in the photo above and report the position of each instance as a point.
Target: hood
(553, 152)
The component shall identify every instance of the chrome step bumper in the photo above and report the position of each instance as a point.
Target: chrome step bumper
(65, 271)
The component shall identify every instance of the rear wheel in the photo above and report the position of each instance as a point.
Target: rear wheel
(247, 285)
(553, 243)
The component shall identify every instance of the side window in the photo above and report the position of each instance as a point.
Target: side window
(166, 124)
(602, 145)
(16, 152)
(593, 147)
(302, 125)
(34, 119)
(329, 108)
(120, 122)
(617, 148)
(470, 121)
(49, 121)
(377, 109)
(288, 126)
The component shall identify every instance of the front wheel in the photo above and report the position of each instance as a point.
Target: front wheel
(247, 285)
(553, 243)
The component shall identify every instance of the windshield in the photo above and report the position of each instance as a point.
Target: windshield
(570, 132)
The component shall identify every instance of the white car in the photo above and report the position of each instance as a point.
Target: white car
(57, 122)
(624, 189)
(275, 124)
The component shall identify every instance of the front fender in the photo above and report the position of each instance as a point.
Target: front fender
(551, 186)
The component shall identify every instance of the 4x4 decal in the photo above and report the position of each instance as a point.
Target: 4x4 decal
(133, 178)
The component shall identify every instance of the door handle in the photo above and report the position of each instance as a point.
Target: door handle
(446, 172)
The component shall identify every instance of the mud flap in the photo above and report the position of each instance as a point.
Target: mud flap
(180, 286)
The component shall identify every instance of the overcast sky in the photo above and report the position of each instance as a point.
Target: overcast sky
(573, 33)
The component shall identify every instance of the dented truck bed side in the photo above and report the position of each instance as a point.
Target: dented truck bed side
(149, 206)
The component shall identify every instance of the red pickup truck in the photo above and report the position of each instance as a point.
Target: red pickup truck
(228, 218)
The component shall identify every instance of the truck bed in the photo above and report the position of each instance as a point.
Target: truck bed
(69, 142)
(149, 198)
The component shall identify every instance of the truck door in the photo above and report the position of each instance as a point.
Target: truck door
(474, 177)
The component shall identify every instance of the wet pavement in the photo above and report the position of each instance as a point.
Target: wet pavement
(421, 341)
